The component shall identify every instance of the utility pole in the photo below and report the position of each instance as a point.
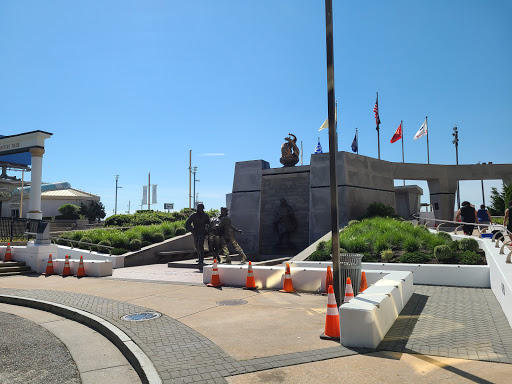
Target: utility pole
(333, 150)
(190, 180)
(115, 209)
(455, 141)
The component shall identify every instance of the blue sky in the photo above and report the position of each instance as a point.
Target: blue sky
(129, 87)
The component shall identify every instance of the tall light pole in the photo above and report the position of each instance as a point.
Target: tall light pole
(333, 150)
(194, 170)
(115, 209)
(456, 142)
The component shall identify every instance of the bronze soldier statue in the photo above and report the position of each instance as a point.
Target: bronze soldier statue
(198, 223)
(227, 235)
(214, 242)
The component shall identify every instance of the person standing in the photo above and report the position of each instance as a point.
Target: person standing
(227, 235)
(198, 224)
(508, 213)
(467, 214)
(484, 217)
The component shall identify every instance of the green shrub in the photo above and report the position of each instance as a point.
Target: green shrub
(104, 242)
(444, 236)
(352, 222)
(135, 245)
(387, 255)
(343, 250)
(380, 244)
(380, 210)
(443, 252)
(145, 243)
(468, 244)
(69, 212)
(414, 258)
(82, 242)
(158, 237)
(469, 257)
(324, 246)
(454, 245)
(319, 256)
(180, 231)
(367, 258)
(411, 244)
(119, 251)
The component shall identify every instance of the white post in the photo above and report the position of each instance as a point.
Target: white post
(34, 206)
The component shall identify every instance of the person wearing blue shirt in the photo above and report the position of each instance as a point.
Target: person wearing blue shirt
(484, 217)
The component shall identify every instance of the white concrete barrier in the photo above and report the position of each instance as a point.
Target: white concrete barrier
(93, 268)
(476, 276)
(36, 257)
(365, 320)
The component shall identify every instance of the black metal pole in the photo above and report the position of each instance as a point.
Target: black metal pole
(483, 197)
(333, 150)
(194, 189)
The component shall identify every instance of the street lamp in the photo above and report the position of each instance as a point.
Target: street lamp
(194, 170)
(456, 142)
(115, 209)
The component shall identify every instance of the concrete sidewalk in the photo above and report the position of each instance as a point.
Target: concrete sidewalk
(219, 335)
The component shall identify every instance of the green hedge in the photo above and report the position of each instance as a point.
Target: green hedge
(123, 241)
(374, 237)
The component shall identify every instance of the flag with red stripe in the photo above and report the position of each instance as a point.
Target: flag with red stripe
(398, 134)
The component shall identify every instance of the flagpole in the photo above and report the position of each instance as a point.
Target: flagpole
(428, 153)
(403, 158)
(378, 130)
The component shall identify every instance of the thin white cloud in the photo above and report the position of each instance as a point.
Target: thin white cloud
(212, 154)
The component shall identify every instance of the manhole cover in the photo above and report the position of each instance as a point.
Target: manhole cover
(141, 316)
(232, 302)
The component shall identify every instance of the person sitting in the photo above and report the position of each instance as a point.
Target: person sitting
(467, 214)
(484, 217)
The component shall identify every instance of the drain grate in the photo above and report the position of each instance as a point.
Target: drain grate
(142, 316)
(232, 302)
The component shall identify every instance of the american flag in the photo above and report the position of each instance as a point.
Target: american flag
(376, 111)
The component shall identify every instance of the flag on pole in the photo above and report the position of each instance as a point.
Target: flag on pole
(398, 134)
(153, 198)
(376, 111)
(326, 122)
(422, 131)
(318, 148)
(354, 143)
(144, 194)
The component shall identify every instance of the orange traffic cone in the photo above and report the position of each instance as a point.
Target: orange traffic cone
(332, 319)
(250, 283)
(66, 271)
(287, 284)
(49, 267)
(8, 256)
(328, 280)
(364, 284)
(215, 276)
(81, 269)
(349, 292)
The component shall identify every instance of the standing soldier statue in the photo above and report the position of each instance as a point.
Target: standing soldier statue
(227, 235)
(198, 223)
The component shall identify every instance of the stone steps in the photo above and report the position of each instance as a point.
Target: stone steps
(11, 268)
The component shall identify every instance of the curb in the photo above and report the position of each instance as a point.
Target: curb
(136, 357)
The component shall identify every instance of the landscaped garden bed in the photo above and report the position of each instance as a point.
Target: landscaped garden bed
(389, 240)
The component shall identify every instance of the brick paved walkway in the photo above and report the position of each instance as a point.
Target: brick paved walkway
(465, 323)
(443, 321)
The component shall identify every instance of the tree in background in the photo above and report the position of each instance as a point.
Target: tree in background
(500, 200)
(69, 212)
(93, 211)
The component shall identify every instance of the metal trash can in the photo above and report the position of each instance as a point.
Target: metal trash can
(350, 266)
